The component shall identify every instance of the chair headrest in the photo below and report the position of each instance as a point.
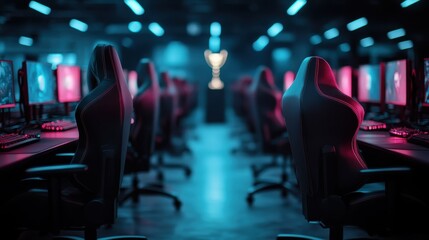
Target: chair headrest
(146, 72)
(99, 67)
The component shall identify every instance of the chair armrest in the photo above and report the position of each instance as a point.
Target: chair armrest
(53, 170)
(372, 175)
(63, 158)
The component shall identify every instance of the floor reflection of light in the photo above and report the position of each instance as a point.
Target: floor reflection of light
(214, 187)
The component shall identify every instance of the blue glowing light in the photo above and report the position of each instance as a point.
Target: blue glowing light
(331, 33)
(135, 26)
(400, 32)
(356, 24)
(407, 3)
(405, 44)
(275, 29)
(315, 39)
(215, 29)
(296, 6)
(281, 55)
(367, 42)
(26, 41)
(344, 47)
(156, 29)
(78, 25)
(39, 7)
(214, 44)
(261, 43)
(135, 6)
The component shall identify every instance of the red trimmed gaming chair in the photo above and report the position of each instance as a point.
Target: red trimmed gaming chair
(323, 124)
(84, 194)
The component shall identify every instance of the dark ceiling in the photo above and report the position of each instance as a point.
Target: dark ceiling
(243, 21)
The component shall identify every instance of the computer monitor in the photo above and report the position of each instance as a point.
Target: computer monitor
(369, 82)
(132, 82)
(7, 92)
(425, 101)
(288, 78)
(68, 83)
(344, 79)
(38, 83)
(397, 79)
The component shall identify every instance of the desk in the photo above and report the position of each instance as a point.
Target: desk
(50, 142)
(398, 147)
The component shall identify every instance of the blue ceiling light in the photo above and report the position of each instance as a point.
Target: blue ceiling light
(215, 29)
(356, 24)
(261, 43)
(407, 3)
(135, 6)
(315, 39)
(214, 44)
(156, 29)
(405, 44)
(331, 33)
(26, 41)
(344, 47)
(296, 6)
(39, 7)
(134, 26)
(78, 25)
(397, 33)
(275, 29)
(367, 42)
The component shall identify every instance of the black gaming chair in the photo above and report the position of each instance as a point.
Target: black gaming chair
(143, 132)
(83, 195)
(270, 132)
(323, 124)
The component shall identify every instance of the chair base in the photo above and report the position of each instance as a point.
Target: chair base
(285, 189)
(296, 237)
(150, 190)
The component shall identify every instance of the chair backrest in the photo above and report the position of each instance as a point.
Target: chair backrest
(146, 109)
(168, 106)
(103, 119)
(318, 114)
(265, 100)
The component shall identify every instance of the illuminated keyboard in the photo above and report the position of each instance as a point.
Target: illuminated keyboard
(369, 125)
(13, 140)
(420, 139)
(58, 125)
(403, 131)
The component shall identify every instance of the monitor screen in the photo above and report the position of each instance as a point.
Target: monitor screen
(369, 83)
(69, 83)
(396, 82)
(426, 81)
(288, 78)
(7, 93)
(40, 83)
(344, 80)
(132, 82)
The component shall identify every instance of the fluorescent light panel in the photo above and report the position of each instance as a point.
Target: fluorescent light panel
(367, 42)
(215, 29)
(407, 3)
(400, 32)
(39, 7)
(261, 43)
(156, 29)
(135, 6)
(356, 24)
(405, 44)
(296, 6)
(331, 33)
(315, 39)
(26, 41)
(78, 25)
(275, 29)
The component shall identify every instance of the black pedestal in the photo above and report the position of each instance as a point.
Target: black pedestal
(215, 105)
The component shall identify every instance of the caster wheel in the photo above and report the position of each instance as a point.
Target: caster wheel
(188, 172)
(250, 200)
(177, 204)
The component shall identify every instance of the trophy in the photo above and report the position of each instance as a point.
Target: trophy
(215, 61)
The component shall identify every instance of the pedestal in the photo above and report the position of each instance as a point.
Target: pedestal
(215, 105)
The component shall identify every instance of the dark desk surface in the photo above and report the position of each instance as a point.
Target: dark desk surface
(49, 142)
(382, 141)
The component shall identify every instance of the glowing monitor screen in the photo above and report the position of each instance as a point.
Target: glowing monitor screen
(396, 82)
(68, 82)
(426, 81)
(7, 93)
(288, 79)
(344, 79)
(40, 83)
(369, 83)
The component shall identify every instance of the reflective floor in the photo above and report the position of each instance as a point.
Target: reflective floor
(214, 197)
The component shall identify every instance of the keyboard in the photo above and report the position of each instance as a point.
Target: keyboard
(420, 139)
(404, 132)
(13, 140)
(58, 125)
(369, 125)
